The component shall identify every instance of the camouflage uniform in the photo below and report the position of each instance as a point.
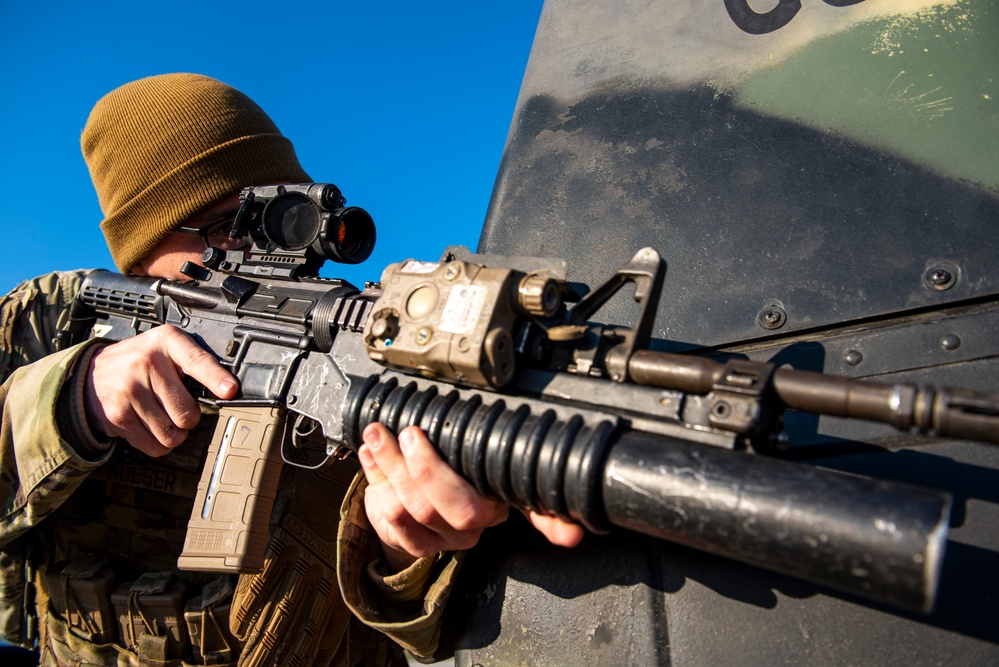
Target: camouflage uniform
(68, 495)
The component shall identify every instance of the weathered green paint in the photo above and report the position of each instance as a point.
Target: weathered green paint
(813, 164)
(899, 84)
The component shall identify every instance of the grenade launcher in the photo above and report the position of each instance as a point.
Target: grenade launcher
(499, 361)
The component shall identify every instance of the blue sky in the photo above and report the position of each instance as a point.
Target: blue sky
(406, 106)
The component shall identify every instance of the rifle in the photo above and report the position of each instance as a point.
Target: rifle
(498, 360)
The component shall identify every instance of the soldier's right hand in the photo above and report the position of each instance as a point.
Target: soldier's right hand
(135, 388)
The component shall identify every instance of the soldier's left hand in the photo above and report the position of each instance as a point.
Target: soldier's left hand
(419, 506)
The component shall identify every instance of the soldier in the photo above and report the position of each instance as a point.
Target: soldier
(97, 488)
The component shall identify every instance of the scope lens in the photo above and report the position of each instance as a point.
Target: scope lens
(349, 243)
(351, 236)
(291, 221)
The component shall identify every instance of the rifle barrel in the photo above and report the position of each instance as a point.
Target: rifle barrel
(950, 412)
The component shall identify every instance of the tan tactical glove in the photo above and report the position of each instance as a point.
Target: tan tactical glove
(292, 612)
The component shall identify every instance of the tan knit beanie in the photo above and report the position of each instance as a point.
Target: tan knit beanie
(161, 149)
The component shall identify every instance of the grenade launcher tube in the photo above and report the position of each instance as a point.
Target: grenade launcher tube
(876, 539)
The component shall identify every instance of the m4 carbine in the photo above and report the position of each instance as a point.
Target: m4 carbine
(499, 361)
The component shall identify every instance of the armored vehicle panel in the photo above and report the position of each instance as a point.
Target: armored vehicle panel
(822, 180)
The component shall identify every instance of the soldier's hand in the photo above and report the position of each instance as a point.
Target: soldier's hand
(135, 388)
(419, 506)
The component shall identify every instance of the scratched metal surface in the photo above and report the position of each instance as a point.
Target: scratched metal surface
(836, 160)
(829, 166)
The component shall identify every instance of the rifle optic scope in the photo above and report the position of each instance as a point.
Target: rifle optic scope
(303, 219)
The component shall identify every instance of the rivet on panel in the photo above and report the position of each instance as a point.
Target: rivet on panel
(950, 342)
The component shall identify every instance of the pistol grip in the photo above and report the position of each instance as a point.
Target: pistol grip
(230, 519)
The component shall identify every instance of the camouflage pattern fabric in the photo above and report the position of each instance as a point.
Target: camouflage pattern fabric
(38, 468)
(66, 495)
(406, 605)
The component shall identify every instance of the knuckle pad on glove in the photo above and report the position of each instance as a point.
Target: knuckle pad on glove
(292, 612)
(297, 611)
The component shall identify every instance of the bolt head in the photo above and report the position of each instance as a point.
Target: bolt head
(941, 276)
(771, 317)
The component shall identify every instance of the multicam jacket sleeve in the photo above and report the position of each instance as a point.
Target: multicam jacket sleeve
(407, 605)
(47, 450)
(42, 404)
